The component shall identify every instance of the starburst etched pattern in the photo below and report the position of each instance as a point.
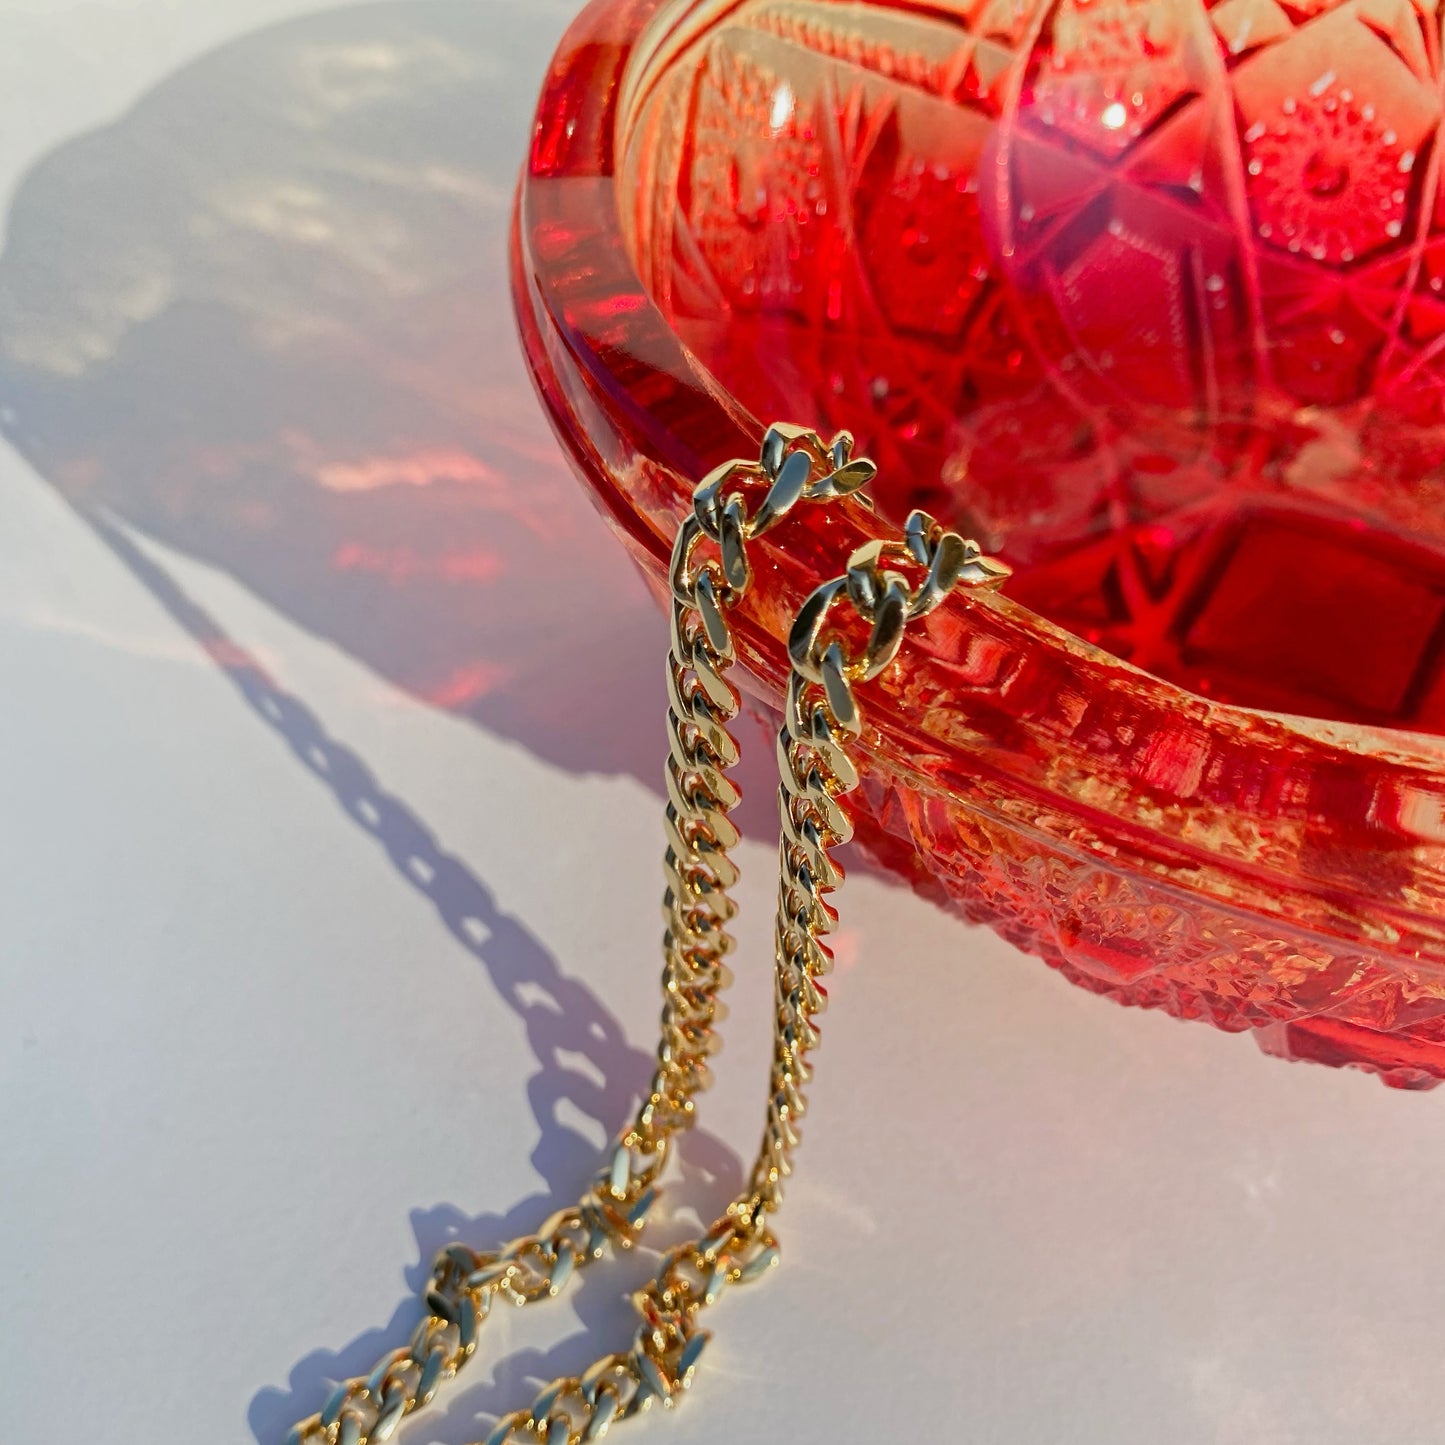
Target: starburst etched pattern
(1326, 178)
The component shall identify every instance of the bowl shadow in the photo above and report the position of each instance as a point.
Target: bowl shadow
(264, 317)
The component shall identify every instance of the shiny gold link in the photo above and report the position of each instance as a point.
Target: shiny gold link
(821, 719)
(710, 571)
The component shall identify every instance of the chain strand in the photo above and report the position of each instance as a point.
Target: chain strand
(710, 573)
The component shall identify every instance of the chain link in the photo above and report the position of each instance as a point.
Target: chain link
(710, 573)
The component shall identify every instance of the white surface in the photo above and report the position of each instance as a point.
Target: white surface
(288, 988)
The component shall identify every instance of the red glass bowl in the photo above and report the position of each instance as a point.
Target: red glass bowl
(1143, 295)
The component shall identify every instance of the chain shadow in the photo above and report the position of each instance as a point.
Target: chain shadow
(263, 318)
(564, 1022)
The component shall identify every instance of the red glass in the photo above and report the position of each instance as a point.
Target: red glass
(1146, 297)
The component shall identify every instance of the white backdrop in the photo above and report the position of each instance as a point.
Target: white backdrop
(296, 748)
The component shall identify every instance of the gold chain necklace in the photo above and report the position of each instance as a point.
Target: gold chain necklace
(710, 573)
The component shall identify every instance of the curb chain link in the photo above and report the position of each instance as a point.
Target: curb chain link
(710, 573)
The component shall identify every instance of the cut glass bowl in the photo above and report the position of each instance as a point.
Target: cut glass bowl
(1148, 298)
